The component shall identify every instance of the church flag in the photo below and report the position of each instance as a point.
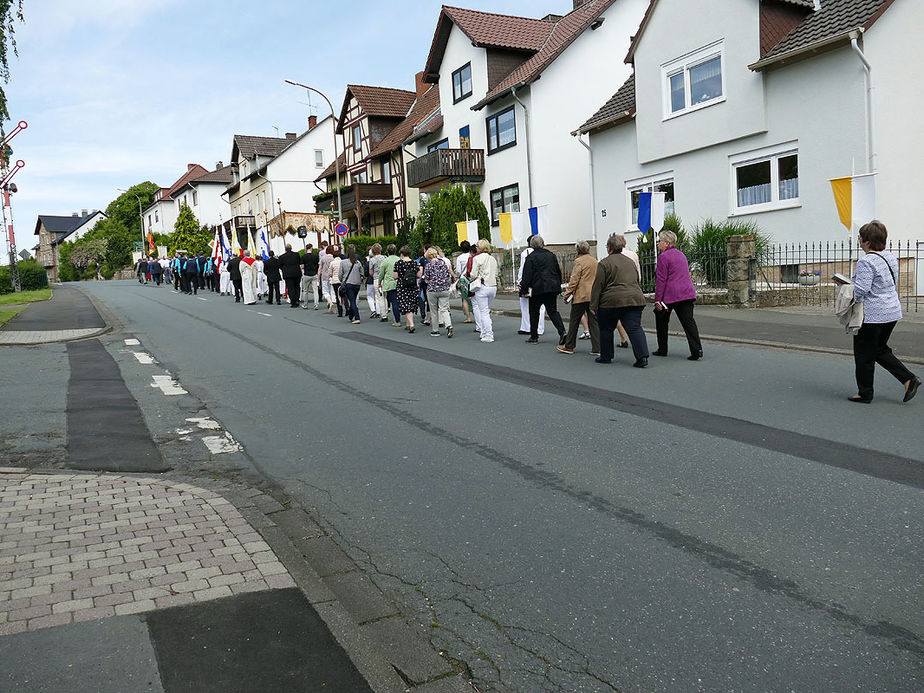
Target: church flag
(650, 212)
(264, 246)
(539, 220)
(855, 198)
(506, 227)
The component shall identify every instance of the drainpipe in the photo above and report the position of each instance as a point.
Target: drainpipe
(529, 167)
(593, 201)
(871, 161)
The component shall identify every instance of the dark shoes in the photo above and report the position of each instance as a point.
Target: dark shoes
(659, 353)
(695, 357)
(640, 363)
(911, 389)
(522, 332)
(859, 400)
(532, 341)
(562, 337)
(623, 345)
(600, 359)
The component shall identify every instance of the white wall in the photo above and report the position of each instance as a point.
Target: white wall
(293, 171)
(892, 47)
(673, 31)
(166, 217)
(569, 91)
(816, 103)
(211, 207)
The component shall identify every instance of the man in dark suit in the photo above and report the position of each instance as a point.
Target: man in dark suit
(290, 264)
(542, 283)
(271, 270)
(234, 269)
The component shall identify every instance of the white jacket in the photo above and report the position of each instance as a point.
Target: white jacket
(848, 310)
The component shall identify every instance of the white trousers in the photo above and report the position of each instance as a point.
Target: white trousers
(372, 297)
(325, 289)
(524, 316)
(481, 307)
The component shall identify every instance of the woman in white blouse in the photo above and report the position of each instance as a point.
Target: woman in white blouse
(483, 289)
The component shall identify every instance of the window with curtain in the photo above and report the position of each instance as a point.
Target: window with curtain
(502, 130)
(694, 81)
(506, 199)
(766, 179)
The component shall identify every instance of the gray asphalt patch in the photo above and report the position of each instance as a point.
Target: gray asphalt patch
(69, 309)
(872, 463)
(105, 429)
(264, 641)
(111, 655)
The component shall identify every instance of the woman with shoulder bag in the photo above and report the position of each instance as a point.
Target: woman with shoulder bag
(875, 287)
(406, 273)
(351, 277)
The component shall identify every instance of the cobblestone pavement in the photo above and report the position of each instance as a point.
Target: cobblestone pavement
(76, 547)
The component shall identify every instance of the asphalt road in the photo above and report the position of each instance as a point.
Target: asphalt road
(557, 525)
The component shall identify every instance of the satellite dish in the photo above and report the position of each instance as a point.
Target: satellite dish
(302, 232)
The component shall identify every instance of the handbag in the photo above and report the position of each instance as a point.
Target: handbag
(475, 284)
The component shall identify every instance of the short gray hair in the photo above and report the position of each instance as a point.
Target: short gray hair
(615, 243)
(582, 247)
(668, 237)
(536, 241)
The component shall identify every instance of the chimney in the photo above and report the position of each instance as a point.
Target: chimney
(218, 165)
(420, 85)
(291, 135)
(83, 212)
(312, 121)
(74, 214)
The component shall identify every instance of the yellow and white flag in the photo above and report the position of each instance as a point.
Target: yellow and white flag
(235, 243)
(467, 231)
(855, 197)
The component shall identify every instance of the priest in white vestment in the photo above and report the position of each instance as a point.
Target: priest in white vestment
(249, 280)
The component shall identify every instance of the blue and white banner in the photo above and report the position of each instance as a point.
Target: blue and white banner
(650, 212)
(539, 220)
(264, 246)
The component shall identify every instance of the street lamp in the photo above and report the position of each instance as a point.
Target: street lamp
(334, 121)
(140, 217)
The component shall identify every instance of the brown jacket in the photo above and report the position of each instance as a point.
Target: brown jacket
(582, 278)
(616, 284)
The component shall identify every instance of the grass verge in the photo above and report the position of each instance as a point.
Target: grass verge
(9, 314)
(26, 296)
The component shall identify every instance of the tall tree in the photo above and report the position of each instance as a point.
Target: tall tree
(187, 235)
(10, 13)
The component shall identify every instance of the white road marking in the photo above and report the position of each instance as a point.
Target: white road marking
(184, 432)
(221, 444)
(206, 423)
(269, 315)
(167, 385)
(143, 357)
(132, 342)
(201, 299)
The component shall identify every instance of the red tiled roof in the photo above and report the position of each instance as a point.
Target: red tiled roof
(485, 29)
(383, 102)
(423, 107)
(563, 34)
(192, 171)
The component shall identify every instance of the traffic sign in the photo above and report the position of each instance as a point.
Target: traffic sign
(342, 229)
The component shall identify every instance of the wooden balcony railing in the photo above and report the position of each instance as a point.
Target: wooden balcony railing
(455, 165)
(371, 193)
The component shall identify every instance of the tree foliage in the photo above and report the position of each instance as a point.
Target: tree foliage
(188, 235)
(92, 252)
(10, 13)
(436, 221)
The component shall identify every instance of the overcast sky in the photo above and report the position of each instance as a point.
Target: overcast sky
(121, 91)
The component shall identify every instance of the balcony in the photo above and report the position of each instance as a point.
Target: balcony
(369, 196)
(446, 166)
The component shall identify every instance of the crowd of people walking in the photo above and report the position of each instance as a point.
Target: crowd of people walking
(605, 296)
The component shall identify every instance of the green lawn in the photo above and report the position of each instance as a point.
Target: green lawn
(25, 297)
(7, 315)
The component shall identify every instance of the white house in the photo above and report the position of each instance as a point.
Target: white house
(509, 87)
(204, 196)
(160, 216)
(744, 109)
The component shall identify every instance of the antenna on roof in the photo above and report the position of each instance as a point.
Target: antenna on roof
(276, 128)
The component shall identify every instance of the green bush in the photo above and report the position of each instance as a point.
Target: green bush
(363, 243)
(31, 275)
(107, 271)
(707, 245)
(436, 222)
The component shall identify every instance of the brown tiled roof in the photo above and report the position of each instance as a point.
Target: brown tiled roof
(383, 102)
(563, 33)
(221, 175)
(834, 19)
(332, 169)
(485, 29)
(253, 145)
(192, 171)
(621, 106)
(423, 107)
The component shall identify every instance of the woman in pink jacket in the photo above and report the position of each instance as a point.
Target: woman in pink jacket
(674, 292)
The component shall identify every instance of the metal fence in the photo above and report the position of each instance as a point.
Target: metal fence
(708, 269)
(800, 274)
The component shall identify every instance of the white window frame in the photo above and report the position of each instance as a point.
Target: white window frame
(646, 184)
(319, 158)
(755, 156)
(683, 64)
